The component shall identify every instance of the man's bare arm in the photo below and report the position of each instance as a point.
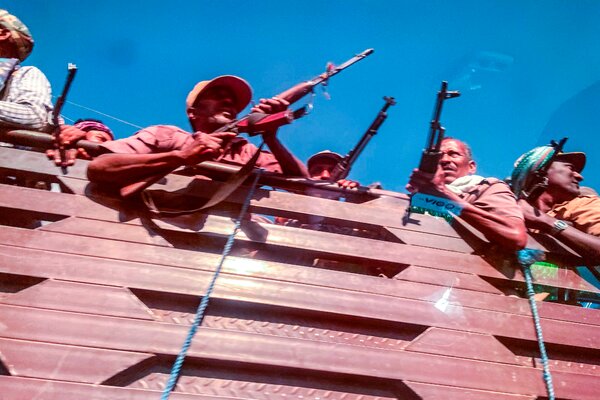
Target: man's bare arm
(120, 170)
(290, 165)
(587, 245)
(510, 233)
(123, 169)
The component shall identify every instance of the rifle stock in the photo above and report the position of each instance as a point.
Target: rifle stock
(255, 123)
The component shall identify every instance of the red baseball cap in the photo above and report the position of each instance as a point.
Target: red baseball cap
(239, 87)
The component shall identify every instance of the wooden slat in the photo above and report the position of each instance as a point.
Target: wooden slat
(372, 306)
(431, 240)
(321, 241)
(269, 202)
(86, 298)
(109, 332)
(26, 388)
(437, 392)
(22, 160)
(64, 363)
(282, 272)
(446, 278)
(424, 231)
(290, 205)
(465, 345)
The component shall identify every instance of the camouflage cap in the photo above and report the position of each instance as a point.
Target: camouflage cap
(20, 36)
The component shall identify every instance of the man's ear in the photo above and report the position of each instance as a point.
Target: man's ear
(4, 33)
(472, 167)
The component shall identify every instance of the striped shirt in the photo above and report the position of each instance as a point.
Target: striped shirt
(26, 101)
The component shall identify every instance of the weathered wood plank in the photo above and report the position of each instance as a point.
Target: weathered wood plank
(14, 388)
(241, 266)
(429, 240)
(321, 241)
(446, 278)
(465, 345)
(267, 202)
(320, 244)
(28, 161)
(437, 392)
(86, 298)
(64, 363)
(120, 334)
(438, 309)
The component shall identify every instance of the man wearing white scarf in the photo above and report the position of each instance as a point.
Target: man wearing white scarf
(485, 203)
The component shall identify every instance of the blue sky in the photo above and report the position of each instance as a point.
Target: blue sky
(528, 70)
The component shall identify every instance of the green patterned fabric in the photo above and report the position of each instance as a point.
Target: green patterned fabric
(526, 166)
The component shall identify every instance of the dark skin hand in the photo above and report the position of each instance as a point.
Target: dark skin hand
(347, 184)
(213, 109)
(290, 165)
(563, 185)
(68, 135)
(587, 245)
(124, 169)
(509, 233)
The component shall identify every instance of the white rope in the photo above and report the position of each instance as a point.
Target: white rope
(104, 114)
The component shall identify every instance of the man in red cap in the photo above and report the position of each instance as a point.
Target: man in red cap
(560, 210)
(25, 95)
(210, 106)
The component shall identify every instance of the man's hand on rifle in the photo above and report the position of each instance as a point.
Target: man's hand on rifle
(205, 147)
(270, 106)
(347, 184)
(67, 137)
(70, 134)
(424, 182)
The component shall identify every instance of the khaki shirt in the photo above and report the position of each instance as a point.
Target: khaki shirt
(583, 212)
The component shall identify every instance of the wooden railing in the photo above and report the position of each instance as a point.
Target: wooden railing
(96, 298)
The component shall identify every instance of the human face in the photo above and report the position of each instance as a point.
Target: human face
(454, 162)
(563, 181)
(97, 136)
(321, 170)
(7, 48)
(213, 109)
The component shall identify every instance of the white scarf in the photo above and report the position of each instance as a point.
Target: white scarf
(465, 183)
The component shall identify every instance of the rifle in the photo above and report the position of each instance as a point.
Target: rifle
(255, 123)
(342, 168)
(539, 182)
(431, 153)
(60, 102)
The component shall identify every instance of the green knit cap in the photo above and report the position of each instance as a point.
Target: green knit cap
(525, 167)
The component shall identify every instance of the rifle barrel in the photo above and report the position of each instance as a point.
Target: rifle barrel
(336, 70)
